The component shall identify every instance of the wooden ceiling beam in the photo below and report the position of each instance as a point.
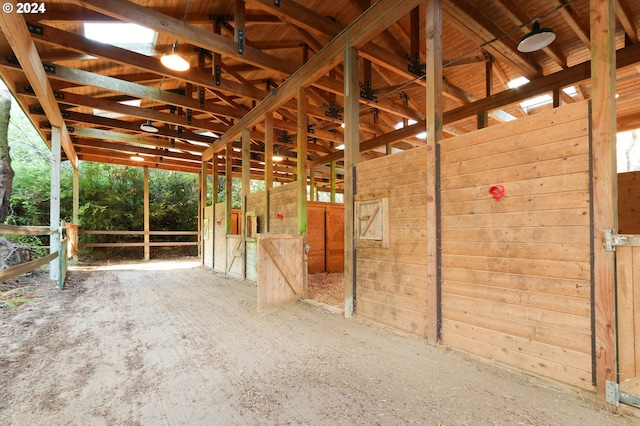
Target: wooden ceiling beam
(627, 20)
(488, 36)
(163, 132)
(80, 44)
(514, 11)
(572, 20)
(128, 110)
(109, 135)
(123, 160)
(130, 12)
(626, 56)
(85, 78)
(84, 145)
(15, 30)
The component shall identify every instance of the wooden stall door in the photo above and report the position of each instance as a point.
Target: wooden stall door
(235, 256)
(282, 269)
(628, 307)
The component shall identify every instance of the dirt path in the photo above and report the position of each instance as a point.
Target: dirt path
(147, 345)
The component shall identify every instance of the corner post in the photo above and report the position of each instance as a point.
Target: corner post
(433, 16)
(351, 159)
(54, 208)
(605, 193)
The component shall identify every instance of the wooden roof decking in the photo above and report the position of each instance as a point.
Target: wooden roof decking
(223, 85)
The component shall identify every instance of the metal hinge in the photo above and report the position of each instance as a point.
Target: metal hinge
(612, 240)
(615, 396)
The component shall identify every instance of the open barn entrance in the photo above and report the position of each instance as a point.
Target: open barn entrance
(326, 252)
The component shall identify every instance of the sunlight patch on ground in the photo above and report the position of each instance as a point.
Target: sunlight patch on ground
(153, 265)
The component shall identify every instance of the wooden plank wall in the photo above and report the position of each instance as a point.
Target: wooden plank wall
(256, 202)
(316, 216)
(220, 237)
(283, 199)
(516, 272)
(629, 203)
(628, 310)
(391, 281)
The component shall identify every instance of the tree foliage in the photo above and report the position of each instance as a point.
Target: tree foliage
(111, 196)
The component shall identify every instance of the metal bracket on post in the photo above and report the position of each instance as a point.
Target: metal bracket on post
(611, 240)
(608, 242)
(612, 393)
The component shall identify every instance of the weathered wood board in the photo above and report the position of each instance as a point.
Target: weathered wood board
(391, 259)
(516, 272)
(235, 256)
(282, 269)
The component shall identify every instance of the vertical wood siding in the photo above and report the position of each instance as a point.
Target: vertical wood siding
(516, 272)
(391, 281)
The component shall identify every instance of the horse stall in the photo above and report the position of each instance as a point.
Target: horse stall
(227, 247)
(514, 230)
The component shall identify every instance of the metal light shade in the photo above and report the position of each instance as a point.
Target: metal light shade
(148, 127)
(537, 39)
(277, 157)
(173, 61)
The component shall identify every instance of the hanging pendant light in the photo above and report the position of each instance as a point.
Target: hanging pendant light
(174, 61)
(537, 39)
(277, 157)
(148, 127)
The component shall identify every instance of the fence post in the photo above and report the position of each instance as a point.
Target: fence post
(54, 208)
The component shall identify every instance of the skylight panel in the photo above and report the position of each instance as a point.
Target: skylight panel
(410, 122)
(120, 34)
(536, 102)
(110, 114)
(517, 82)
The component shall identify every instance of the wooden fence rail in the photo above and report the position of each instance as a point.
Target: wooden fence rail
(23, 268)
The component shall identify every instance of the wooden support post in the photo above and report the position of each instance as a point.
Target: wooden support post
(54, 207)
(483, 116)
(603, 79)
(433, 16)
(334, 177)
(76, 201)
(246, 188)
(302, 129)
(268, 163)
(351, 159)
(147, 227)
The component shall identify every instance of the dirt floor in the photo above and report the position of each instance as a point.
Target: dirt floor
(172, 343)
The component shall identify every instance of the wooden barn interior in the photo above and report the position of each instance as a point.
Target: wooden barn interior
(465, 152)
